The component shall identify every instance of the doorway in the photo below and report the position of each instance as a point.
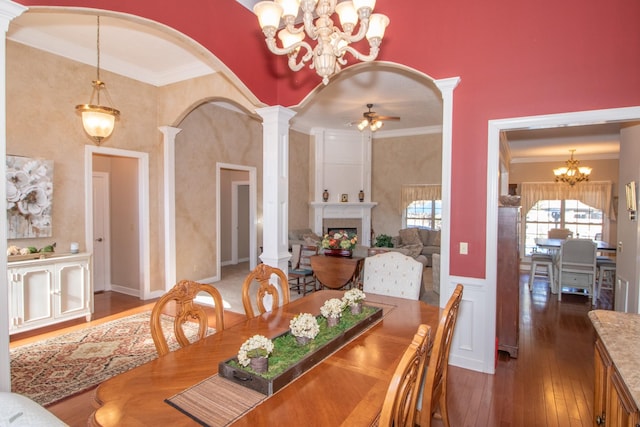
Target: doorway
(101, 225)
(240, 223)
(229, 176)
(128, 219)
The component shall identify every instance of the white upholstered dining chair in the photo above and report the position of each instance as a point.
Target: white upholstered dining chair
(577, 267)
(393, 274)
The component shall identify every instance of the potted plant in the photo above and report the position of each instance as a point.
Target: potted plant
(332, 311)
(383, 241)
(304, 327)
(254, 352)
(353, 299)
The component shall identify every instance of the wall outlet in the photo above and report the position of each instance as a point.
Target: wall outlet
(464, 248)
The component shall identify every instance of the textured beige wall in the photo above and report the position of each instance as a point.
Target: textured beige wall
(300, 189)
(42, 92)
(398, 161)
(210, 134)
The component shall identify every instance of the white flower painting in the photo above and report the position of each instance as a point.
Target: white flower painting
(29, 196)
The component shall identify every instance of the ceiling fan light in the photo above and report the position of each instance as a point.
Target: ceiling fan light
(376, 125)
(363, 124)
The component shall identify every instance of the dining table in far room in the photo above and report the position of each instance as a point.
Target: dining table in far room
(347, 387)
(555, 245)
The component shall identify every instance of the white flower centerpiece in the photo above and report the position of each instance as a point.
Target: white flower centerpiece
(255, 352)
(304, 327)
(353, 299)
(332, 310)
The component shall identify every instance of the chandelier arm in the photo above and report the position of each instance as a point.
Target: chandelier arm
(308, 26)
(352, 38)
(373, 51)
(293, 52)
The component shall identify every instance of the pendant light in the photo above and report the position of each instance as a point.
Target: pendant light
(98, 120)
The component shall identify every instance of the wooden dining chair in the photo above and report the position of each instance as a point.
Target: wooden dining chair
(301, 273)
(434, 393)
(262, 274)
(399, 407)
(183, 294)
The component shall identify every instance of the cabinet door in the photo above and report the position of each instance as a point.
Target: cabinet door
(621, 410)
(72, 288)
(33, 287)
(602, 364)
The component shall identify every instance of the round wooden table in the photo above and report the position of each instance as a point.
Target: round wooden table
(336, 272)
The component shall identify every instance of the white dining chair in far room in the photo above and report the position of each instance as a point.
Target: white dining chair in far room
(606, 271)
(577, 267)
(393, 274)
(542, 260)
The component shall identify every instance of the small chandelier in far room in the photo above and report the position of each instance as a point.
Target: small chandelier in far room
(98, 120)
(332, 43)
(572, 173)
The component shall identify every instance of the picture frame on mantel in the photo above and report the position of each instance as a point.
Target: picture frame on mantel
(29, 184)
(344, 198)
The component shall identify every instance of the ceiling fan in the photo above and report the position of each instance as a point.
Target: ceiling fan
(372, 120)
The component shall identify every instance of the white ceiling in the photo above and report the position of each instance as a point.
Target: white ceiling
(155, 54)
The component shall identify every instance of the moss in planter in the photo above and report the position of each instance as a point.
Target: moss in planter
(287, 352)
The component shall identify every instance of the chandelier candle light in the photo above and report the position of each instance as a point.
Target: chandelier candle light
(572, 173)
(98, 120)
(332, 43)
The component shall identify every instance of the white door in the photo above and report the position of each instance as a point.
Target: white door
(100, 250)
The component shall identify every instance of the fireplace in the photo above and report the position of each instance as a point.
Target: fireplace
(353, 230)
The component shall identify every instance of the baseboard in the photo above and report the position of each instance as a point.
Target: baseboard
(125, 290)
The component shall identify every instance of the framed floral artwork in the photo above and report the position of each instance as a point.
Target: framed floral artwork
(29, 197)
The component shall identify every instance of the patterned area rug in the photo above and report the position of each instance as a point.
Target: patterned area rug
(50, 370)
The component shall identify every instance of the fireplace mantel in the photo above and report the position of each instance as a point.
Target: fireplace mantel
(331, 210)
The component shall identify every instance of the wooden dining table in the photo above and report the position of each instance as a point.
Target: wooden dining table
(346, 388)
(555, 244)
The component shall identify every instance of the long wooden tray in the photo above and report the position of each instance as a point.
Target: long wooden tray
(270, 386)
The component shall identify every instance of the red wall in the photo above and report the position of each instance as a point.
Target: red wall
(515, 58)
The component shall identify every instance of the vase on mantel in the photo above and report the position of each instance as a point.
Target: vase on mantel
(325, 195)
(338, 252)
(259, 364)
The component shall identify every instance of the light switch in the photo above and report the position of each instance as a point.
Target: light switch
(464, 248)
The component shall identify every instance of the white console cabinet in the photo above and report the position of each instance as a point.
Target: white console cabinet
(47, 291)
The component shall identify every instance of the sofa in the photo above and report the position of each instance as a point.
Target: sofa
(303, 236)
(418, 242)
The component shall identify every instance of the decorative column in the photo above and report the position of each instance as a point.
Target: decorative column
(8, 11)
(275, 186)
(169, 165)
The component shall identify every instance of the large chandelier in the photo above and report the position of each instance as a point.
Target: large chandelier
(572, 173)
(332, 43)
(98, 120)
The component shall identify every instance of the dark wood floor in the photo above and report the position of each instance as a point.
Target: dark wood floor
(549, 384)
